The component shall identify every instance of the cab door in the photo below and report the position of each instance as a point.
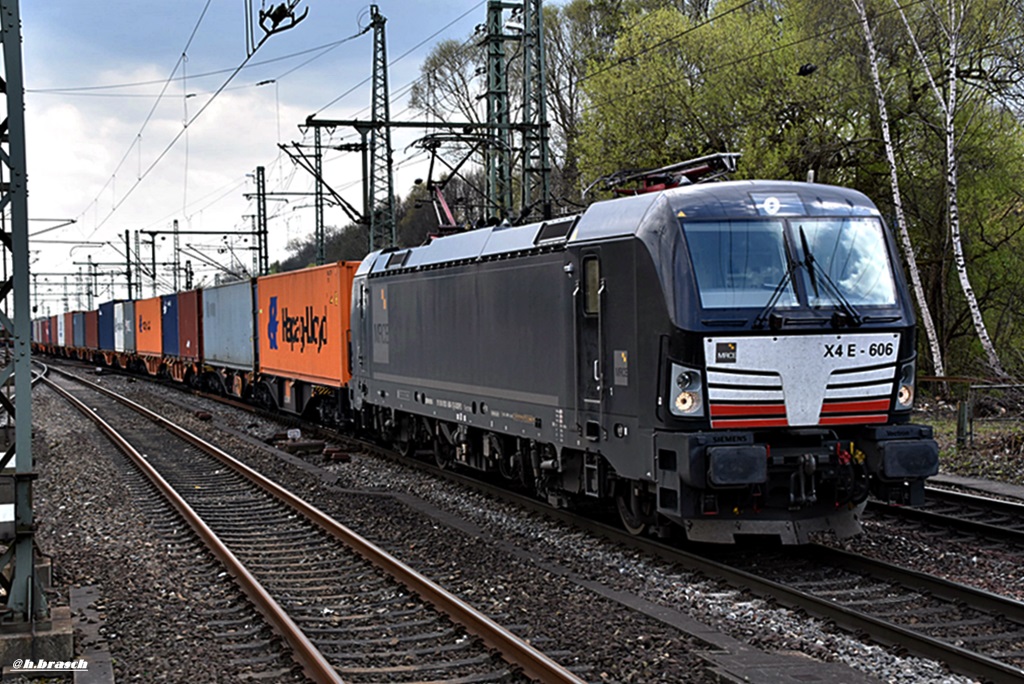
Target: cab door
(590, 370)
(357, 339)
(360, 296)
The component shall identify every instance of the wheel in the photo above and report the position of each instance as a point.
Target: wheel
(405, 447)
(264, 398)
(405, 440)
(444, 454)
(637, 510)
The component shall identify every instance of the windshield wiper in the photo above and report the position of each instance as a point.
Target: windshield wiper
(849, 313)
(808, 262)
(768, 311)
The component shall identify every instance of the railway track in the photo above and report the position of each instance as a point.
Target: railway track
(974, 632)
(964, 513)
(347, 608)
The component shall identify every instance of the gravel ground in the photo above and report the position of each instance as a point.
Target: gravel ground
(993, 568)
(630, 648)
(157, 582)
(750, 618)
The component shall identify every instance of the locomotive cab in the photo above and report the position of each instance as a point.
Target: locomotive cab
(788, 375)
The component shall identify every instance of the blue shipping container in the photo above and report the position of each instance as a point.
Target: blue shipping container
(169, 321)
(106, 324)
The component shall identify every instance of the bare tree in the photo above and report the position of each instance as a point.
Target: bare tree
(953, 32)
(449, 82)
(897, 198)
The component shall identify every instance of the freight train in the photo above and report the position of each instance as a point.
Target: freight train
(730, 359)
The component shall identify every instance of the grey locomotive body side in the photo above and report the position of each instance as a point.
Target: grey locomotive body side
(480, 343)
(550, 353)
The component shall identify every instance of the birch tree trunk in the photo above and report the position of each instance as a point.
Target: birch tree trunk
(948, 104)
(897, 199)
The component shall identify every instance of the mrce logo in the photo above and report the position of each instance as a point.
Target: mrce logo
(725, 352)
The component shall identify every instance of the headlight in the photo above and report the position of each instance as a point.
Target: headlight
(905, 389)
(686, 391)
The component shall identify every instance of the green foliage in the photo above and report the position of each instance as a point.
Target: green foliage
(787, 84)
(989, 156)
(783, 90)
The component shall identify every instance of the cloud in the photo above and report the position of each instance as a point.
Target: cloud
(77, 142)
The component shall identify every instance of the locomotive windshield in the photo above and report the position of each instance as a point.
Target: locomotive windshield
(851, 252)
(833, 261)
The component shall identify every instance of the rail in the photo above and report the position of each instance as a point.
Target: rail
(514, 650)
(309, 657)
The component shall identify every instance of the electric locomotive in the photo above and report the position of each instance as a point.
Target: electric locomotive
(736, 358)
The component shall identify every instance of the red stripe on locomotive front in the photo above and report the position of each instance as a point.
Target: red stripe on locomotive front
(748, 410)
(849, 406)
(751, 423)
(852, 420)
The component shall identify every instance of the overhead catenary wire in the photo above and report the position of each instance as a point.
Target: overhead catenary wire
(78, 90)
(112, 191)
(187, 121)
(137, 140)
(179, 135)
(180, 75)
(403, 55)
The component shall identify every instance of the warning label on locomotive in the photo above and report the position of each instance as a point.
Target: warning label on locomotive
(621, 367)
(381, 330)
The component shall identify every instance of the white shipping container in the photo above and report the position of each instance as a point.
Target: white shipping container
(119, 326)
(228, 327)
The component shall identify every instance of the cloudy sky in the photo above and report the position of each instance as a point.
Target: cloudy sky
(110, 87)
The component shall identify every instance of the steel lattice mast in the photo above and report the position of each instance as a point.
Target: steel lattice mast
(262, 253)
(378, 183)
(499, 149)
(536, 187)
(23, 599)
(381, 195)
(318, 200)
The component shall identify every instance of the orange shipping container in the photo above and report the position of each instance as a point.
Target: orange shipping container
(303, 323)
(148, 330)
